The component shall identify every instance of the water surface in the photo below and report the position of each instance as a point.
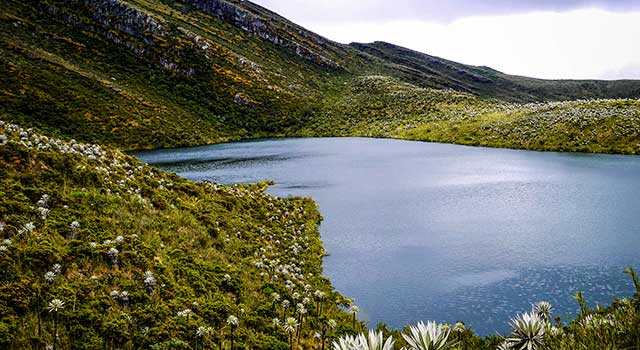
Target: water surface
(423, 231)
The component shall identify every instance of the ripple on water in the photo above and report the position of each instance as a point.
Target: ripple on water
(419, 231)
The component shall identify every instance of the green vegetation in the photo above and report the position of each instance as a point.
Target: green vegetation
(615, 327)
(140, 74)
(100, 251)
(377, 106)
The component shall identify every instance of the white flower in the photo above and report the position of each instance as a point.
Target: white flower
(528, 331)
(275, 297)
(3, 249)
(50, 276)
(56, 305)
(543, 309)
(3, 140)
(149, 280)
(113, 252)
(56, 268)
(203, 331)
(2, 225)
(332, 323)
(119, 239)
(114, 294)
(429, 336)
(27, 228)
(290, 325)
(93, 245)
(7, 242)
(276, 322)
(42, 212)
(354, 309)
(44, 201)
(374, 341)
(185, 313)
(232, 321)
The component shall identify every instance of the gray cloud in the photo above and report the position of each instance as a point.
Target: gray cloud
(431, 10)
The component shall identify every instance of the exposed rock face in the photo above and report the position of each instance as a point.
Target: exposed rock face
(128, 23)
(117, 15)
(126, 19)
(256, 25)
(124, 25)
(243, 100)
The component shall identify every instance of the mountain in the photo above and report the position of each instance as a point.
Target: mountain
(139, 74)
(429, 71)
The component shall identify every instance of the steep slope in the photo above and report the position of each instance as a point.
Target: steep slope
(142, 259)
(142, 74)
(429, 71)
(158, 73)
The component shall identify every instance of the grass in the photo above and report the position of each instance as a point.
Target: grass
(218, 251)
(198, 80)
(378, 106)
(100, 251)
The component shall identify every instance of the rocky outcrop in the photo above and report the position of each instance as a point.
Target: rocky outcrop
(141, 33)
(113, 14)
(243, 100)
(255, 24)
(123, 25)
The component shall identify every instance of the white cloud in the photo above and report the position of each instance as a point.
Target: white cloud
(580, 44)
(430, 10)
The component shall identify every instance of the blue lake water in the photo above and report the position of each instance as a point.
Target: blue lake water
(423, 231)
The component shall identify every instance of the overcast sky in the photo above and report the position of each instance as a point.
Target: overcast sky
(577, 39)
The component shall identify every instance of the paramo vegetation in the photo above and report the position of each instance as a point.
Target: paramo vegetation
(101, 251)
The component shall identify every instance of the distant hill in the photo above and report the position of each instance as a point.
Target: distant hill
(140, 74)
(429, 71)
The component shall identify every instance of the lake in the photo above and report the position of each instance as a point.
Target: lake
(424, 231)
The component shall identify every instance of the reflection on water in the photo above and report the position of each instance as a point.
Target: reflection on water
(431, 231)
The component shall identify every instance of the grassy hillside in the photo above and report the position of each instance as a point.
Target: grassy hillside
(379, 106)
(100, 251)
(128, 249)
(139, 74)
(191, 79)
(428, 71)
